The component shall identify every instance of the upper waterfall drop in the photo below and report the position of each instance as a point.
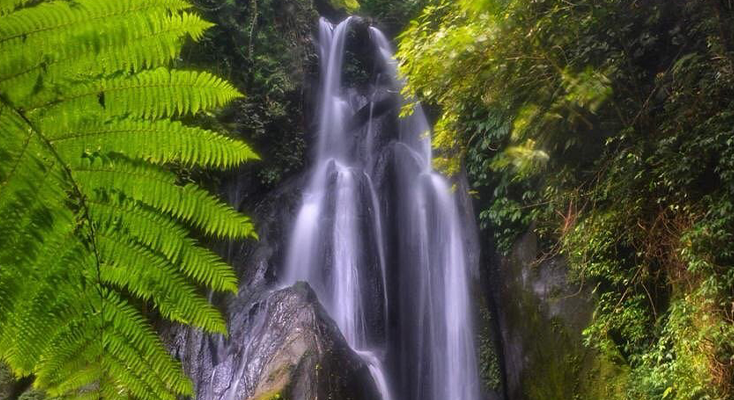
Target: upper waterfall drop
(402, 304)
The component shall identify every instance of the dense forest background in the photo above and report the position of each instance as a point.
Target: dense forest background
(606, 128)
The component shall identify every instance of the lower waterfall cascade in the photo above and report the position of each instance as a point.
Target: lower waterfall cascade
(379, 235)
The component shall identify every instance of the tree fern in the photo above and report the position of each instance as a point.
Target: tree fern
(97, 231)
(150, 45)
(157, 142)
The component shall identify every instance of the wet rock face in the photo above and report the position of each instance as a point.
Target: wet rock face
(302, 354)
(286, 348)
(540, 316)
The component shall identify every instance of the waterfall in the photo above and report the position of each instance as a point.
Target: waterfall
(403, 305)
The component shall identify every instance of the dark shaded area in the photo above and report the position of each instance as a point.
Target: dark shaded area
(20, 389)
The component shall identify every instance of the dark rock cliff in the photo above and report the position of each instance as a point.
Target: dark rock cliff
(539, 317)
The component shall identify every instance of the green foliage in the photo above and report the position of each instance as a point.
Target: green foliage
(263, 47)
(607, 126)
(346, 5)
(490, 370)
(32, 395)
(97, 235)
(391, 15)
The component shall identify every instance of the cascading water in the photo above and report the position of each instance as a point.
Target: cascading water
(403, 306)
(332, 193)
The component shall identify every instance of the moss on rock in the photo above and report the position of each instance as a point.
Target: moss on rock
(489, 363)
(542, 318)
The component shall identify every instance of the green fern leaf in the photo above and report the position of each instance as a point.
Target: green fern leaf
(95, 223)
(54, 17)
(169, 239)
(157, 188)
(149, 94)
(153, 42)
(151, 278)
(7, 6)
(154, 141)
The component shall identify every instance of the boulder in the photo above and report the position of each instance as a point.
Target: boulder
(300, 353)
(286, 347)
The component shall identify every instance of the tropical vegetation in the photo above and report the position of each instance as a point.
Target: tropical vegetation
(100, 235)
(608, 129)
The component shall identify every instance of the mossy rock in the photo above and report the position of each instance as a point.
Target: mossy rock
(542, 317)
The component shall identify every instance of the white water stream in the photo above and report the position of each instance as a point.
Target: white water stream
(419, 345)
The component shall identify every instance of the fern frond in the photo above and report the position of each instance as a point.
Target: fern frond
(127, 338)
(154, 141)
(167, 238)
(78, 379)
(92, 395)
(52, 298)
(56, 17)
(111, 26)
(158, 189)
(71, 349)
(149, 50)
(95, 223)
(164, 93)
(150, 94)
(7, 6)
(112, 389)
(151, 278)
(146, 386)
(128, 323)
(16, 144)
(131, 379)
(27, 220)
(153, 42)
